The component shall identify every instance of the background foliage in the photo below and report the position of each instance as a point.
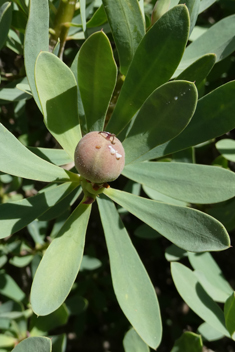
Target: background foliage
(117, 78)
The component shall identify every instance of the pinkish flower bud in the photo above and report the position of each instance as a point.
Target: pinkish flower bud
(99, 157)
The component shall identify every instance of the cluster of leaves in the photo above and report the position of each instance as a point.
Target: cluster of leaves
(147, 73)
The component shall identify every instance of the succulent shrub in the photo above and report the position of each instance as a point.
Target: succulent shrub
(149, 94)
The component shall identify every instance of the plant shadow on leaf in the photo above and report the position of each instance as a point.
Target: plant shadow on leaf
(56, 121)
(209, 303)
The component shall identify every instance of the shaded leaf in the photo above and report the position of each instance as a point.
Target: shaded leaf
(97, 74)
(226, 147)
(213, 117)
(229, 314)
(60, 264)
(208, 333)
(196, 297)
(16, 215)
(5, 21)
(54, 156)
(9, 288)
(128, 35)
(132, 286)
(36, 39)
(210, 276)
(200, 184)
(98, 18)
(189, 342)
(57, 90)
(188, 228)
(154, 62)
(193, 8)
(159, 9)
(165, 113)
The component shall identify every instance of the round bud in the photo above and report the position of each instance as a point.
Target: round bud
(99, 157)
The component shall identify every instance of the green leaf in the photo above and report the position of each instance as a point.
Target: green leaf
(188, 228)
(229, 313)
(189, 342)
(17, 160)
(204, 4)
(208, 333)
(224, 212)
(199, 69)
(162, 117)
(159, 9)
(57, 90)
(7, 341)
(219, 39)
(55, 156)
(41, 325)
(144, 231)
(83, 14)
(160, 197)
(20, 262)
(200, 184)
(60, 264)
(133, 343)
(97, 72)
(9, 288)
(132, 286)
(42, 344)
(36, 39)
(226, 147)
(126, 22)
(155, 61)
(210, 276)
(98, 18)
(12, 93)
(213, 117)
(174, 253)
(5, 22)
(16, 215)
(193, 8)
(196, 297)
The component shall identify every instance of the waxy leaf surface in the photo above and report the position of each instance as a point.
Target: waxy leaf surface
(191, 183)
(42, 344)
(60, 264)
(189, 342)
(36, 39)
(57, 90)
(188, 228)
(97, 74)
(229, 313)
(196, 297)
(127, 25)
(5, 21)
(154, 62)
(17, 160)
(132, 286)
(226, 147)
(213, 117)
(162, 117)
(133, 343)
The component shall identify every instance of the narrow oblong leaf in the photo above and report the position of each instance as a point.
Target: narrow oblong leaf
(97, 72)
(10, 289)
(219, 39)
(127, 25)
(60, 264)
(36, 39)
(57, 90)
(196, 297)
(204, 4)
(213, 117)
(17, 160)
(132, 286)
(193, 8)
(133, 343)
(5, 21)
(229, 314)
(193, 183)
(54, 156)
(159, 9)
(188, 228)
(163, 116)
(154, 62)
(209, 333)
(16, 215)
(42, 344)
